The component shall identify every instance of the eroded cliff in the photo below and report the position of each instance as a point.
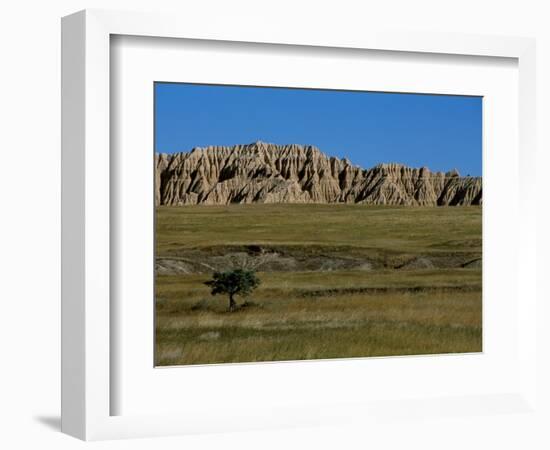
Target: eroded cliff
(269, 173)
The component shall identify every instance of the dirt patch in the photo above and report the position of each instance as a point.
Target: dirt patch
(305, 259)
(196, 262)
(210, 336)
(475, 264)
(418, 263)
(168, 266)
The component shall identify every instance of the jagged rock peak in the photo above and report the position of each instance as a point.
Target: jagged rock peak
(452, 173)
(262, 172)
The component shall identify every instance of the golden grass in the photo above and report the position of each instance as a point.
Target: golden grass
(320, 315)
(385, 227)
(288, 325)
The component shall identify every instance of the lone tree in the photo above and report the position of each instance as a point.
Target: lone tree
(233, 282)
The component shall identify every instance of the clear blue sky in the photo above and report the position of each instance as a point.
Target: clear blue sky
(438, 131)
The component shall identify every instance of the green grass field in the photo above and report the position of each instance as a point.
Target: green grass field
(385, 281)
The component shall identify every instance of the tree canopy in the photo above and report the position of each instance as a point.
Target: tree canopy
(233, 282)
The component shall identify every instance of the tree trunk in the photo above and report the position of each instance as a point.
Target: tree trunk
(232, 303)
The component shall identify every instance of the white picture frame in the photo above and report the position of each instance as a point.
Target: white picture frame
(87, 354)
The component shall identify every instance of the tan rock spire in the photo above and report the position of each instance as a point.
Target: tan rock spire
(268, 173)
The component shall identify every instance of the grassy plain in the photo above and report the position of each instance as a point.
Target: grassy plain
(385, 309)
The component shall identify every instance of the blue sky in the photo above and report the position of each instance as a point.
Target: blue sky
(438, 131)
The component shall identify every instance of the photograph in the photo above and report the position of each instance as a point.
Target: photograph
(311, 224)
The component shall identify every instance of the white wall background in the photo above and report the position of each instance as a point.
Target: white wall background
(30, 194)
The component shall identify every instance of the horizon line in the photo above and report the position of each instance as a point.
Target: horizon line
(345, 158)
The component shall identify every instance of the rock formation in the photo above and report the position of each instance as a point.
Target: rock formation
(269, 173)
